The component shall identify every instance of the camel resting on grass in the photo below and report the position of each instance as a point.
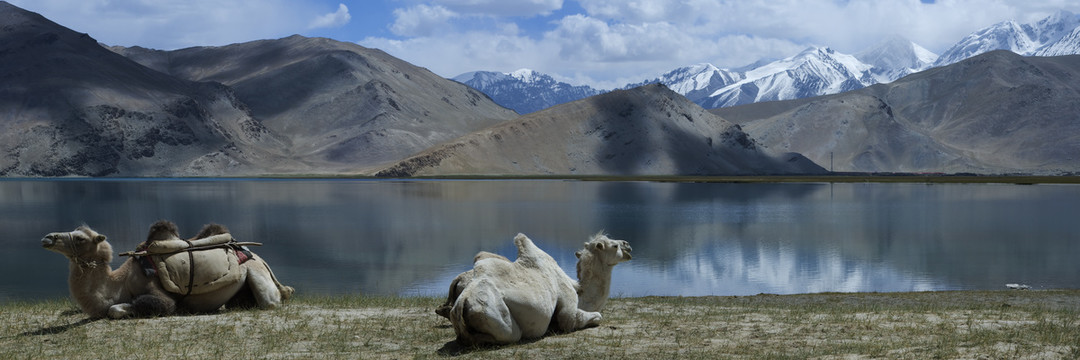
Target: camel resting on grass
(129, 290)
(500, 302)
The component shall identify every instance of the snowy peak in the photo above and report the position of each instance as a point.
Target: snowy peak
(895, 58)
(481, 78)
(524, 90)
(1024, 39)
(1054, 27)
(695, 82)
(530, 76)
(1067, 45)
(813, 72)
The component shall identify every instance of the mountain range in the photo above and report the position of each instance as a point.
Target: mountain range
(292, 105)
(648, 130)
(820, 71)
(994, 113)
(525, 90)
(70, 106)
(296, 105)
(1054, 35)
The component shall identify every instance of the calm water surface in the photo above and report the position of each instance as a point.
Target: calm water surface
(412, 237)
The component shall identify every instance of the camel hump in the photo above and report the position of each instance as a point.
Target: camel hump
(168, 246)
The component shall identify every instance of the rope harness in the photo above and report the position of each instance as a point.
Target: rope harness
(76, 257)
(151, 268)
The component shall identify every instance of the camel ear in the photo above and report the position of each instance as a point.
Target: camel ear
(99, 238)
(599, 246)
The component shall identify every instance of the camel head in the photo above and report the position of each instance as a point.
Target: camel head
(83, 245)
(608, 251)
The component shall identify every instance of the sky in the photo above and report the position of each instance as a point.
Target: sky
(602, 43)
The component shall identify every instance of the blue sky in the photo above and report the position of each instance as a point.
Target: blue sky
(604, 43)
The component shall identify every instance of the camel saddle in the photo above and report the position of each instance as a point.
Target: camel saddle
(192, 267)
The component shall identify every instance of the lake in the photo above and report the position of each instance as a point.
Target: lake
(412, 237)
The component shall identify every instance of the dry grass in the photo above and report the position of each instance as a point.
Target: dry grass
(944, 325)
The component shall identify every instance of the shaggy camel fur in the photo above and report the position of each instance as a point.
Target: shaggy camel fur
(499, 301)
(127, 291)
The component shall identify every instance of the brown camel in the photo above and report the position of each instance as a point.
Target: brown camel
(128, 290)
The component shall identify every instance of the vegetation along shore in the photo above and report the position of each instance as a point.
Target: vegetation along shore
(1033, 324)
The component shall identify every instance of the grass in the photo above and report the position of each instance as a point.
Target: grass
(929, 325)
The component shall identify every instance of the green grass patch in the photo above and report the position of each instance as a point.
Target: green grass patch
(923, 325)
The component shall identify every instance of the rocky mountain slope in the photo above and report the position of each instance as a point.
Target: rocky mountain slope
(342, 106)
(525, 90)
(994, 113)
(642, 131)
(71, 107)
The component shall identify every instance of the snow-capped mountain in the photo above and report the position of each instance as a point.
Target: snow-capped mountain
(695, 82)
(1067, 45)
(1040, 39)
(524, 90)
(895, 58)
(813, 72)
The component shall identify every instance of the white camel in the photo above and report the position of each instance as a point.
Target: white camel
(500, 302)
(127, 291)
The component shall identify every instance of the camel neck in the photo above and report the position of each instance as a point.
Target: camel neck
(594, 280)
(93, 286)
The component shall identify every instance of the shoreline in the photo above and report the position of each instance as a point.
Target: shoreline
(941, 324)
(826, 178)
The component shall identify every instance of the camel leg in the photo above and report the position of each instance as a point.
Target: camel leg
(285, 291)
(121, 310)
(480, 316)
(572, 318)
(262, 285)
(154, 303)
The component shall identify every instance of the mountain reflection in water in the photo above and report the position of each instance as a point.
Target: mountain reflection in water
(413, 237)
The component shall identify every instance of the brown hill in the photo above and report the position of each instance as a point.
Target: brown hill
(994, 113)
(341, 105)
(646, 130)
(71, 107)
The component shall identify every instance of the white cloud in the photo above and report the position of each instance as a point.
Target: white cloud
(167, 24)
(502, 7)
(582, 38)
(421, 21)
(335, 19)
(846, 25)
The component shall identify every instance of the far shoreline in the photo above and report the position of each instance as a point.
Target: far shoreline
(913, 178)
